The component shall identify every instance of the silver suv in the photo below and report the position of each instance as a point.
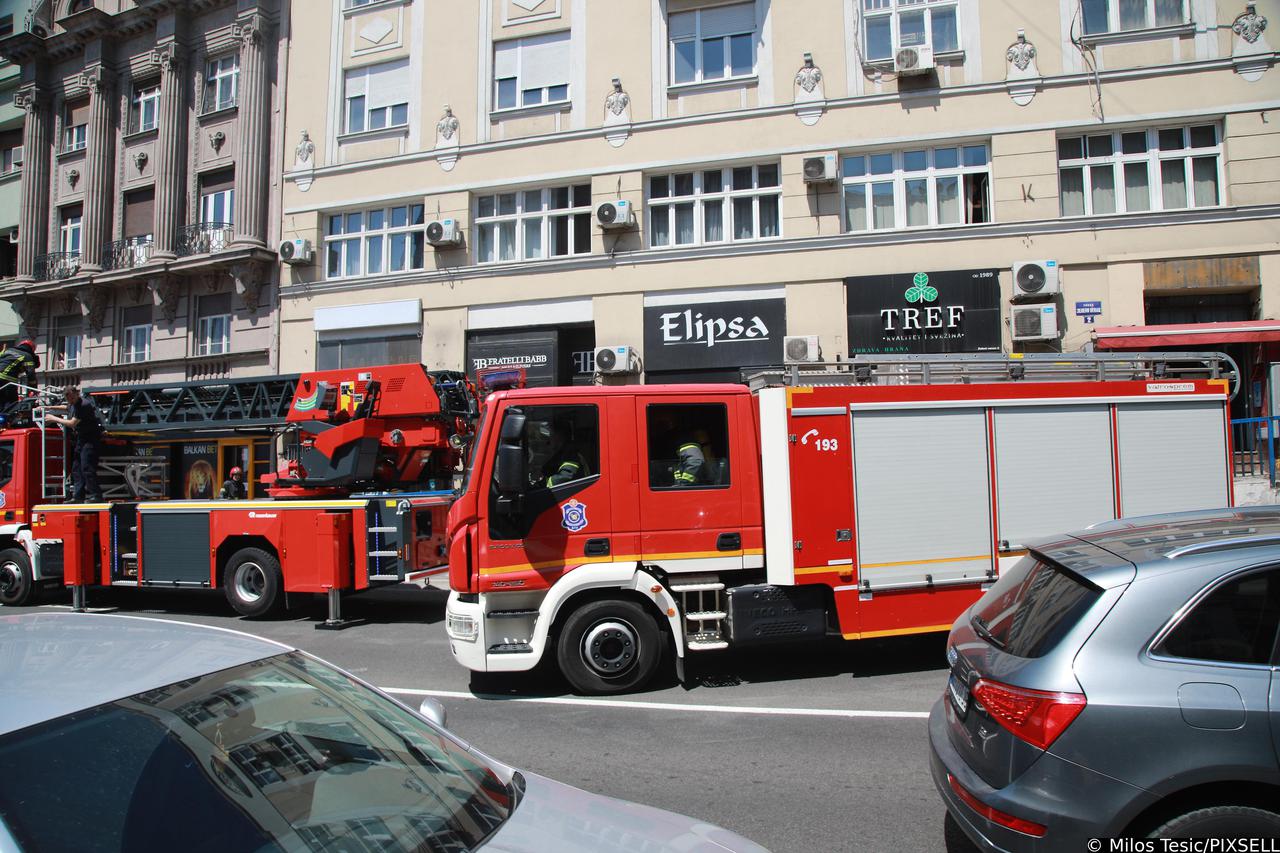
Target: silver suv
(1122, 681)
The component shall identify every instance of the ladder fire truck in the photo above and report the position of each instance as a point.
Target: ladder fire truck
(368, 459)
(857, 499)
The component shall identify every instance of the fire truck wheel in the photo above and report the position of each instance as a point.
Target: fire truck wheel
(17, 586)
(253, 582)
(609, 647)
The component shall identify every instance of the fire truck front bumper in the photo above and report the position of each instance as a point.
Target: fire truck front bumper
(464, 623)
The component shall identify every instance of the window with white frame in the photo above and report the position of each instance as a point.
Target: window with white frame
(550, 222)
(144, 108)
(917, 188)
(135, 334)
(374, 242)
(715, 43)
(68, 342)
(75, 125)
(1109, 16)
(714, 205)
(69, 230)
(221, 83)
(890, 24)
(213, 324)
(1130, 171)
(531, 71)
(218, 207)
(377, 96)
(10, 151)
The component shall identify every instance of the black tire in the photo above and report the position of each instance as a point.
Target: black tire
(1221, 822)
(17, 585)
(609, 647)
(253, 583)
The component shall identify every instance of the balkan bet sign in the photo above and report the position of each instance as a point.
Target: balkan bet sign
(924, 312)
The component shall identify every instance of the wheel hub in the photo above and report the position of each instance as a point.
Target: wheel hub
(610, 647)
(251, 581)
(10, 577)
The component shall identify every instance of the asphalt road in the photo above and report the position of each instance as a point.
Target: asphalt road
(791, 768)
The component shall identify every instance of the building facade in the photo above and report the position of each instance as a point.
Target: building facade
(148, 219)
(13, 15)
(1128, 147)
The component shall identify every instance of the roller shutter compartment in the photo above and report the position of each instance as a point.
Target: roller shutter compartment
(1172, 456)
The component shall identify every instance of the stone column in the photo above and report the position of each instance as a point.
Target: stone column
(253, 132)
(98, 169)
(170, 194)
(33, 222)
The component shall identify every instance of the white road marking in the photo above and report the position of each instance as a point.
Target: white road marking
(666, 706)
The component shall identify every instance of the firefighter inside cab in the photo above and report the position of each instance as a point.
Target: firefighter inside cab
(565, 462)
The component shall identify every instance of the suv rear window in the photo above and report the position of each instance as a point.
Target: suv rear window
(1032, 607)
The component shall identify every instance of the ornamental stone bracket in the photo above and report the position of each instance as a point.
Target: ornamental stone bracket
(448, 139)
(165, 293)
(1250, 53)
(93, 305)
(617, 115)
(30, 310)
(810, 92)
(1022, 76)
(304, 162)
(251, 278)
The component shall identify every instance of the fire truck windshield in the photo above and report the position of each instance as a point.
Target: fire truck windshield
(476, 438)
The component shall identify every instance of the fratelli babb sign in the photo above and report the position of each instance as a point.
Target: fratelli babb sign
(924, 312)
(733, 333)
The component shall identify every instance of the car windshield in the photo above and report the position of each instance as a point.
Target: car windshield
(1032, 607)
(284, 753)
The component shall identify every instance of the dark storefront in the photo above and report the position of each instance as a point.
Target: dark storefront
(712, 341)
(552, 355)
(924, 312)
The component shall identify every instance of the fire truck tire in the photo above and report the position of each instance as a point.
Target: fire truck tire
(17, 586)
(608, 647)
(253, 583)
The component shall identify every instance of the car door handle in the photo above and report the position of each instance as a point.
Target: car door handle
(729, 542)
(596, 548)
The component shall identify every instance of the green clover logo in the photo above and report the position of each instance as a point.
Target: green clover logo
(920, 291)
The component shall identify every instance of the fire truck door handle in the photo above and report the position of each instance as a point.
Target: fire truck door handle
(729, 542)
(596, 548)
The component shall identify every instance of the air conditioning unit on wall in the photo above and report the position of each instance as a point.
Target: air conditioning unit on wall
(801, 349)
(295, 251)
(617, 360)
(444, 232)
(916, 59)
(1032, 279)
(1034, 322)
(820, 169)
(615, 214)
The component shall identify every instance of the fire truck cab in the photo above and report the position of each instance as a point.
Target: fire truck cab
(610, 526)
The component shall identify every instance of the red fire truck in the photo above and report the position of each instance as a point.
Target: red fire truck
(605, 525)
(360, 498)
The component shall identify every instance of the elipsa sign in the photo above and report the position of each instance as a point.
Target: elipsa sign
(714, 334)
(924, 312)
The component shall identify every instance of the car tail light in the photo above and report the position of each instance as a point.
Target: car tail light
(1008, 821)
(1036, 716)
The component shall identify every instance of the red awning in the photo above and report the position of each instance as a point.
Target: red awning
(1189, 335)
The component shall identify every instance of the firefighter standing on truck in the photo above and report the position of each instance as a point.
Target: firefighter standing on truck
(18, 366)
(82, 419)
(234, 488)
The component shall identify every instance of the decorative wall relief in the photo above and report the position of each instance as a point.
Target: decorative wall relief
(617, 115)
(216, 139)
(165, 293)
(93, 306)
(448, 139)
(304, 162)
(1022, 76)
(810, 95)
(140, 160)
(1250, 53)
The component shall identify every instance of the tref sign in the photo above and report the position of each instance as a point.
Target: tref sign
(736, 333)
(924, 312)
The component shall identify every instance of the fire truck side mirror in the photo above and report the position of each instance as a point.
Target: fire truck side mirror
(509, 466)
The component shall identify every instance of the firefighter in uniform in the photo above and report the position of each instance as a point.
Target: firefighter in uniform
(82, 419)
(234, 488)
(565, 462)
(692, 466)
(18, 366)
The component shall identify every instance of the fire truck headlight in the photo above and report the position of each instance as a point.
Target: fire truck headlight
(461, 627)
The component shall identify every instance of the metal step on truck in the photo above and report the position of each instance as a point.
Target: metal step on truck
(613, 528)
(367, 460)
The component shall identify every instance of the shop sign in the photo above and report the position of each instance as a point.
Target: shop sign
(533, 351)
(1090, 311)
(199, 471)
(714, 334)
(924, 312)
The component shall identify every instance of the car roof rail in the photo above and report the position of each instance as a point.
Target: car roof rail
(1224, 545)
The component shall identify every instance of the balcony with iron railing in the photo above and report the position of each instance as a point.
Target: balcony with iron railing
(203, 238)
(127, 253)
(56, 265)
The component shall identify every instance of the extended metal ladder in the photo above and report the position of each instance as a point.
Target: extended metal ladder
(995, 367)
(53, 477)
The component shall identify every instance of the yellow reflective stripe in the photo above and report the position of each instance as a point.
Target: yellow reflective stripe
(690, 446)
